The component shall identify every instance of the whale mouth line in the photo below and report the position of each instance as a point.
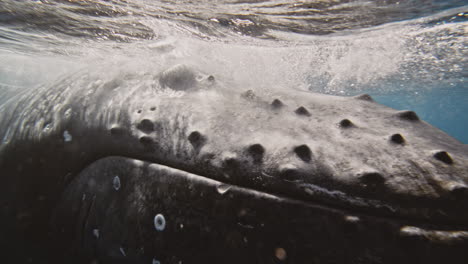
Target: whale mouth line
(347, 210)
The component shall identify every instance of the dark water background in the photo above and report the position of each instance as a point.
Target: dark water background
(407, 54)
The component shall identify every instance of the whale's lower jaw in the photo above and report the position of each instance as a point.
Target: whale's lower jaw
(122, 210)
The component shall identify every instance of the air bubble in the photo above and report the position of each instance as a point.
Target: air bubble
(96, 233)
(67, 137)
(280, 254)
(159, 222)
(116, 183)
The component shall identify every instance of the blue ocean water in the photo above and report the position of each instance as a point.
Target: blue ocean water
(445, 108)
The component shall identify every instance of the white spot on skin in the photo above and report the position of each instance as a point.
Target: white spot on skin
(67, 137)
(411, 231)
(223, 188)
(242, 22)
(351, 219)
(6, 137)
(47, 127)
(116, 183)
(123, 252)
(155, 262)
(280, 254)
(159, 222)
(68, 113)
(96, 233)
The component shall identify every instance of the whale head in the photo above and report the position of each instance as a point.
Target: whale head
(339, 154)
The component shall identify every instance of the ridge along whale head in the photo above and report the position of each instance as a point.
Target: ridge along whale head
(341, 151)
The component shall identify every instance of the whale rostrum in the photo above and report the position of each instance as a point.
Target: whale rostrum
(149, 146)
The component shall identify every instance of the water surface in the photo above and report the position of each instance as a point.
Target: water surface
(407, 54)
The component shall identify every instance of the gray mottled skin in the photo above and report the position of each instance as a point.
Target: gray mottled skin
(342, 152)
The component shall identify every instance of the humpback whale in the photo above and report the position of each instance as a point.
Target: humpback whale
(175, 167)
